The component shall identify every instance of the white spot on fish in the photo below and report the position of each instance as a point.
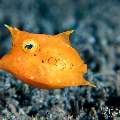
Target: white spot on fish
(31, 77)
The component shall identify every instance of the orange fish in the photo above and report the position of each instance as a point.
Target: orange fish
(44, 61)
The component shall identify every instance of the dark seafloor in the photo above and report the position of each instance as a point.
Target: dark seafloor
(97, 39)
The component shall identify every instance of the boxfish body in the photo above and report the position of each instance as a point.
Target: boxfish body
(44, 61)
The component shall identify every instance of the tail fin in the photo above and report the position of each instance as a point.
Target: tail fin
(87, 83)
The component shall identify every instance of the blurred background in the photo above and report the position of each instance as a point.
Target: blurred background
(97, 39)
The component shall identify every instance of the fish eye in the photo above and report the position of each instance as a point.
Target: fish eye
(30, 46)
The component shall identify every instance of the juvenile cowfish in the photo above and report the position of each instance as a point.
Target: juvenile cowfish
(44, 61)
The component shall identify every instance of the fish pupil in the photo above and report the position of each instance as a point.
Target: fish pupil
(29, 46)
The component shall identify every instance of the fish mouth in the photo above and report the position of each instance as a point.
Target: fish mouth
(1, 62)
(4, 61)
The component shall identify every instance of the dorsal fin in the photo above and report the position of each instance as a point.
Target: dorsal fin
(66, 36)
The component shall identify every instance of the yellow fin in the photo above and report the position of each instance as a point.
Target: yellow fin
(88, 83)
(66, 36)
(9, 27)
(13, 30)
(91, 84)
(68, 32)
